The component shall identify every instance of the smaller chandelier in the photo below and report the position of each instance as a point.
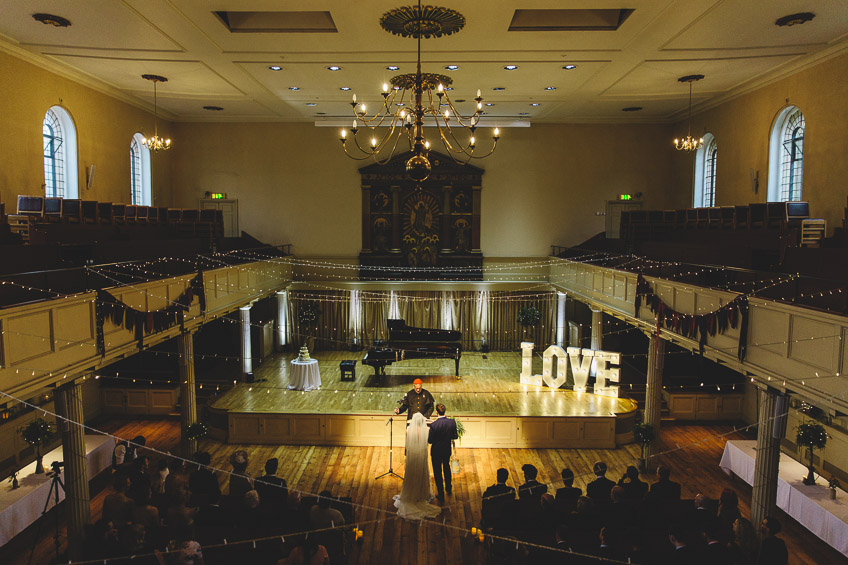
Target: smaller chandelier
(155, 143)
(689, 143)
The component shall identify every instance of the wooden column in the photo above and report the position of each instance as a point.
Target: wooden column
(653, 388)
(562, 324)
(188, 395)
(246, 354)
(282, 319)
(764, 495)
(77, 500)
(596, 341)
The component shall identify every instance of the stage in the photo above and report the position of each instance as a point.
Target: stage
(496, 410)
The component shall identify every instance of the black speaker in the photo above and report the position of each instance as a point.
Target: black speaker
(781, 407)
(248, 377)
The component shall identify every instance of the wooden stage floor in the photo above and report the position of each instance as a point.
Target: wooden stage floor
(488, 397)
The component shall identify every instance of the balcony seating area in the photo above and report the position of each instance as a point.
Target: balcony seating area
(40, 219)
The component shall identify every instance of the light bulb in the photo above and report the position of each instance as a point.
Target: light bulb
(479, 94)
(385, 87)
(362, 108)
(441, 87)
(373, 142)
(497, 132)
(354, 97)
(472, 141)
(447, 114)
(427, 144)
(344, 133)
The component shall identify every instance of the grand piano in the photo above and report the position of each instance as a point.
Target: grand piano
(407, 342)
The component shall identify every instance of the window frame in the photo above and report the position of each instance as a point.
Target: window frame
(702, 158)
(140, 184)
(786, 127)
(63, 157)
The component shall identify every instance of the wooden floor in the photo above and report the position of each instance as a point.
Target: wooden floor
(488, 387)
(695, 451)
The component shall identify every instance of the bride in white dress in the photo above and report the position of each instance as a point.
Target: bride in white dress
(413, 502)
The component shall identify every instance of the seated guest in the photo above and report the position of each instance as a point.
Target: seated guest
(177, 480)
(101, 541)
(322, 516)
(271, 488)
(160, 477)
(202, 482)
(702, 514)
(138, 472)
(531, 487)
(307, 552)
(683, 553)
(183, 549)
(144, 513)
(118, 507)
(180, 518)
(743, 547)
(599, 489)
(728, 511)
(664, 489)
(566, 497)
(583, 525)
(773, 549)
(634, 488)
(212, 522)
(250, 522)
(716, 550)
(240, 481)
(498, 501)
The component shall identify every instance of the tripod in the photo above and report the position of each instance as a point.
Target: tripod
(55, 485)
(391, 471)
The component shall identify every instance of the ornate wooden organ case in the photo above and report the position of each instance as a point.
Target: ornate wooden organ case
(434, 226)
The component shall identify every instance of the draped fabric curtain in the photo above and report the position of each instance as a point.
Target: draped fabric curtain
(480, 316)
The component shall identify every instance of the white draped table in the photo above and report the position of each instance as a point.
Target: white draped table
(304, 375)
(22, 506)
(810, 505)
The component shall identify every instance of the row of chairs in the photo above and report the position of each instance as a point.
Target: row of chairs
(39, 209)
(640, 224)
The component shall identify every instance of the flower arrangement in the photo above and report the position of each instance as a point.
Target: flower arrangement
(644, 434)
(460, 429)
(38, 433)
(529, 316)
(811, 435)
(196, 431)
(833, 483)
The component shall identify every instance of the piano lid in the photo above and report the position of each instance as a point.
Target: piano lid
(399, 331)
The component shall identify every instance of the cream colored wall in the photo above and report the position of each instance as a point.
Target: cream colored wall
(742, 128)
(542, 186)
(104, 127)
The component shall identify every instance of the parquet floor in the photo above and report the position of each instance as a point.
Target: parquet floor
(694, 456)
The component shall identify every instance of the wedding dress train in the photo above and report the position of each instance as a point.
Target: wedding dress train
(413, 502)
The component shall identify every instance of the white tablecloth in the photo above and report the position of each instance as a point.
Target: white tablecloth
(810, 505)
(304, 375)
(22, 506)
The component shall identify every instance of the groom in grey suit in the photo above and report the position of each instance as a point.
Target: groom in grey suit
(442, 434)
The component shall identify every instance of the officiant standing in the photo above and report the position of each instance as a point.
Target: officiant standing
(417, 400)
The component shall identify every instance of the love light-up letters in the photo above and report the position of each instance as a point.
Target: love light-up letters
(581, 363)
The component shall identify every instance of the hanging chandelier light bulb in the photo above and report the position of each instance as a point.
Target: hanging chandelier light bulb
(689, 143)
(427, 94)
(155, 143)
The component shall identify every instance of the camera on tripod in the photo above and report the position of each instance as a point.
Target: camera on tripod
(56, 468)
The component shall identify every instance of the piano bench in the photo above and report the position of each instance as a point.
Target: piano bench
(348, 366)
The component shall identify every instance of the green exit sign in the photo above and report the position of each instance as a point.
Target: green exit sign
(220, 195)
(620, 197)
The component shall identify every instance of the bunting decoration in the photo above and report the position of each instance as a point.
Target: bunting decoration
(696, 326)
(142, 322)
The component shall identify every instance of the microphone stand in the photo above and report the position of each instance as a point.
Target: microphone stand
(391, 471)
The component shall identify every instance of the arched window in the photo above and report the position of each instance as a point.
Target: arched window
(705, 173)
(140, 172)
(60, 154)
(786, 156)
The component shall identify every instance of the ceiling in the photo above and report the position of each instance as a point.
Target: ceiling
(734, 43)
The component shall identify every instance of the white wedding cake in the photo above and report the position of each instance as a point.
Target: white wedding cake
(304, 353)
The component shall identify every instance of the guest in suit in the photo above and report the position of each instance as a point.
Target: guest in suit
(683, 553)
(664, 489)
(773, 549)
(566, 497)
(498, 501)
(599, 489)
(442, 433)
(716, 550)
(272, 489)
(531, 487)
(634, 488)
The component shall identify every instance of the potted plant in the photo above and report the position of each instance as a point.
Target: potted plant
(529, 316)
(644, 435)
(38, 433)
(307, 316)
(833, 484)
(196, 431)
(454, 462)
(811, 435)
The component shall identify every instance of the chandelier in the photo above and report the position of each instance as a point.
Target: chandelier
(427, 93)
(155, 143)
(689, 143)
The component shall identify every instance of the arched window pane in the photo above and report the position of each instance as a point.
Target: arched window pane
(710, 173)
(135, 173)
(54, 156)
(792, 158)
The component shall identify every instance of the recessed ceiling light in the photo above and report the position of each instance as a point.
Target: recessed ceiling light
(510, 67)
(392, 68)
(213, 108)
(449, 88)
(395, 88)
(490, 103)
(50, 19)
(569, 67)
(345, 88)
(499, 88)
(294, 88)
(399, 104)
(523, 113)
(334, 68)
(535, 104)
(451, 67)
(311, 104)
(550, 88)
(275, 68)
(631, 109)
(795, 19)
